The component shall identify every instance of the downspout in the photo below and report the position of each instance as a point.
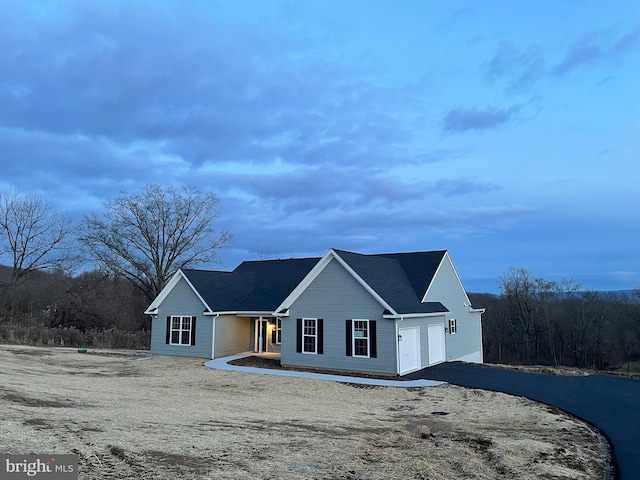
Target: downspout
(213, 336)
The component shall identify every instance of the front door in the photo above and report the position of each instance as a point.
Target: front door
(409, 349)
(261, 335)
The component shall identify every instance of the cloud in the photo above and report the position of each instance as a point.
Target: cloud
(522, 67)
(309, 191)
(199, 87)
(35, 160)
(592, 49)
(460, 120)
(372, 215)
(450, 187)
(428, 223)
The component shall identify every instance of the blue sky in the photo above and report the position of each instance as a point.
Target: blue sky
(506, 132)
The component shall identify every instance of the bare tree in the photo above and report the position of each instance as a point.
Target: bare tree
(147, 237)
(519, 287)
(33, 237)
(530, 302)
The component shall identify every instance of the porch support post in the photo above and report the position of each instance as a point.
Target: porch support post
(260, 336)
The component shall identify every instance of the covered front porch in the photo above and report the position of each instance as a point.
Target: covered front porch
(266, 335)
(267, 355)
(237, 332)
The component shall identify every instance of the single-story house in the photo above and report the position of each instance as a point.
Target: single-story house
(391, 313)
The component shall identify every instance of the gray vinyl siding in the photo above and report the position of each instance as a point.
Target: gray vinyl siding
(446, 288)
(184, 302)
(335, 296)
(233, 335)
(423, 323)
(275, 347)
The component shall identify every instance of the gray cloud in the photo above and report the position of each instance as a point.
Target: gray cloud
(462, 186)
(460, 120)
(313, 190)
(593, 49)
(382, 229)
(335, 209)
(197, 88)
(522, 68)
(78, 171)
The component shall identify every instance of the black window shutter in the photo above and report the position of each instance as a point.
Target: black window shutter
(372, 339)
(320, 334)
(348, 334)
(299, 335)
(193, 331)
(168, 329)
(274, 337)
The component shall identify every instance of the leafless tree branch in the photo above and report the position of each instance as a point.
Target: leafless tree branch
(33, 236)
(148, 236)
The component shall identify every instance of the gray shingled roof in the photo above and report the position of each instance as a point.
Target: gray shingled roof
(400, 279)
(275, 279)
(222, 291)
(419, 267)
(252, 286)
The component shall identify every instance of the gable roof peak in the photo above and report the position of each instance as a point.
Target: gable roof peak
(393, 254)
(400, 280)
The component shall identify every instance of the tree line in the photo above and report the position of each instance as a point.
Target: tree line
(536, 321)
(100, 273)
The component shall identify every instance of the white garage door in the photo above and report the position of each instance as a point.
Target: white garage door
(409, 349)
(436, 343)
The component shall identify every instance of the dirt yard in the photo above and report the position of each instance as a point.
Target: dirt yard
(173, 418)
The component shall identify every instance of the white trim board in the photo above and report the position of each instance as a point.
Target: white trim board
(179, 275)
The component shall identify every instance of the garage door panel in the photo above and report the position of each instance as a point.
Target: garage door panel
(436, 343)
(409, 349)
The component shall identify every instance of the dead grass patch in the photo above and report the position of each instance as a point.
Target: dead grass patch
(566, 371)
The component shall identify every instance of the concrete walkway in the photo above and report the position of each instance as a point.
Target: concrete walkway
(221, 364)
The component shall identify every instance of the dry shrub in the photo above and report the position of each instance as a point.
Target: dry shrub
(39, 335)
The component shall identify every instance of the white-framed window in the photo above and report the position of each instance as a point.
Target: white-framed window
(361, 338)
(181, 330)
(278, 330)
(309, 335)
(453, 326)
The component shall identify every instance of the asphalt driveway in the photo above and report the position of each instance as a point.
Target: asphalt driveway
(612, 404)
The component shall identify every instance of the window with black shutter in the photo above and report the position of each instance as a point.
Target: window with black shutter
(181, 330)
(453, 326)
(299, 335)
(320, 336)
(361, 338)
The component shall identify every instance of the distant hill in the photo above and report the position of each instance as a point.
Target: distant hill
(476, 297)
(624, 294)
(5, 275)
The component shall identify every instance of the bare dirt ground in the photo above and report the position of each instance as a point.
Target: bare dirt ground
(173, 418)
